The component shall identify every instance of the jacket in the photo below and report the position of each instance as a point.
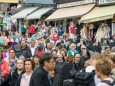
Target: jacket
(11, 79)
(4, 69)
(69, 52)
(39, 78)
(26, 52)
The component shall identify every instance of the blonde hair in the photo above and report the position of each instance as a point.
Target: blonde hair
(87, 63)
(72, 44)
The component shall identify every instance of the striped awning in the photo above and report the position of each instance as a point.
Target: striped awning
(9, 1)
(98, 14)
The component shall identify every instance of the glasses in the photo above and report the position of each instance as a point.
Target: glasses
(72, 46)
(83, 48)
(12, 52)
(77, 57)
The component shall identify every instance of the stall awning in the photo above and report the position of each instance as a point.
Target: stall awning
(24, 13)
(37, 14)
(9, 1)
(98, 14)
(70, 12)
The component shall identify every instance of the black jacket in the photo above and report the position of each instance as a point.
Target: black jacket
(39, 78)
(11, 79)
(27, 52)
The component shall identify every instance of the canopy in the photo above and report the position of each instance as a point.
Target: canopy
(37, 14)
(98, 14)
(24, 13)
(70, 12)
(9, 1)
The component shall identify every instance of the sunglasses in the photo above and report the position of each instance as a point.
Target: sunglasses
(83, 48)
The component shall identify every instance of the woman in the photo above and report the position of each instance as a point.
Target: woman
(5, 70)
(36, 60)
(67, 67)
(2, 38)
(9, 39)
(13, 76)
(24, 79)
(72, 50)
(59, 70)
(63, 52)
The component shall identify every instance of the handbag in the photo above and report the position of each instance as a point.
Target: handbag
(73, 71)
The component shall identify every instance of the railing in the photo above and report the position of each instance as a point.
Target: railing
(106, 1)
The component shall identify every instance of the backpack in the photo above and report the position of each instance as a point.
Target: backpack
(108, 82)
(85, 78)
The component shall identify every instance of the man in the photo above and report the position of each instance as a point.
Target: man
(40, 75)
(33, 47)
(25, 49)
(12, 59)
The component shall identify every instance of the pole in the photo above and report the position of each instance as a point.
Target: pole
(20, 24)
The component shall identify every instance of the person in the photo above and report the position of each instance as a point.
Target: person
(77, 62)
(93, 59)
(39, 51)
(12, 59)
(25, 49)
(13, 76)
(4, 68)
(72, 49)
(24, 79)
(33, 47)
(40, 75)
(36, 60)
(60, 30)
(103, 70)
(9, 39)
(59, 70)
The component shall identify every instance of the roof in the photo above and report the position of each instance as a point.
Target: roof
(39, 1)
(9, 1)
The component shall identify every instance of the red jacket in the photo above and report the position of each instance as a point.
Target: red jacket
(5, 68)
(39, 52)
(31, 29)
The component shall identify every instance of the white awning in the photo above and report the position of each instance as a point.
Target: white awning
(37, 14)
(98, 14)
(70, 12)
(24, 13)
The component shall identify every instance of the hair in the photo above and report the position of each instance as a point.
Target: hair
(30, 60)
(112, 58)
(36, 56)
(49, 47)
(72, 44)
(70, 59)
(13, 50)
(40, 48)
(87, 63)
(17, 47)
(104, 66)
(19, 59)
(96, 56)
(63, 49)
(106, 53)
(45, 57)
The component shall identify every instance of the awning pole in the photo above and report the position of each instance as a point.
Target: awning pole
(20, 24)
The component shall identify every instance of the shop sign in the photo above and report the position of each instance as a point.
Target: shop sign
(106, 1)
(75, 3)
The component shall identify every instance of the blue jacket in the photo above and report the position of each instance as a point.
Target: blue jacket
(70, 53)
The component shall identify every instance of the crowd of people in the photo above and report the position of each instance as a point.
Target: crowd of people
(40, 57)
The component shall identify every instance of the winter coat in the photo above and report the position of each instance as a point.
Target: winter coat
(11, 79)
(4, 69)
